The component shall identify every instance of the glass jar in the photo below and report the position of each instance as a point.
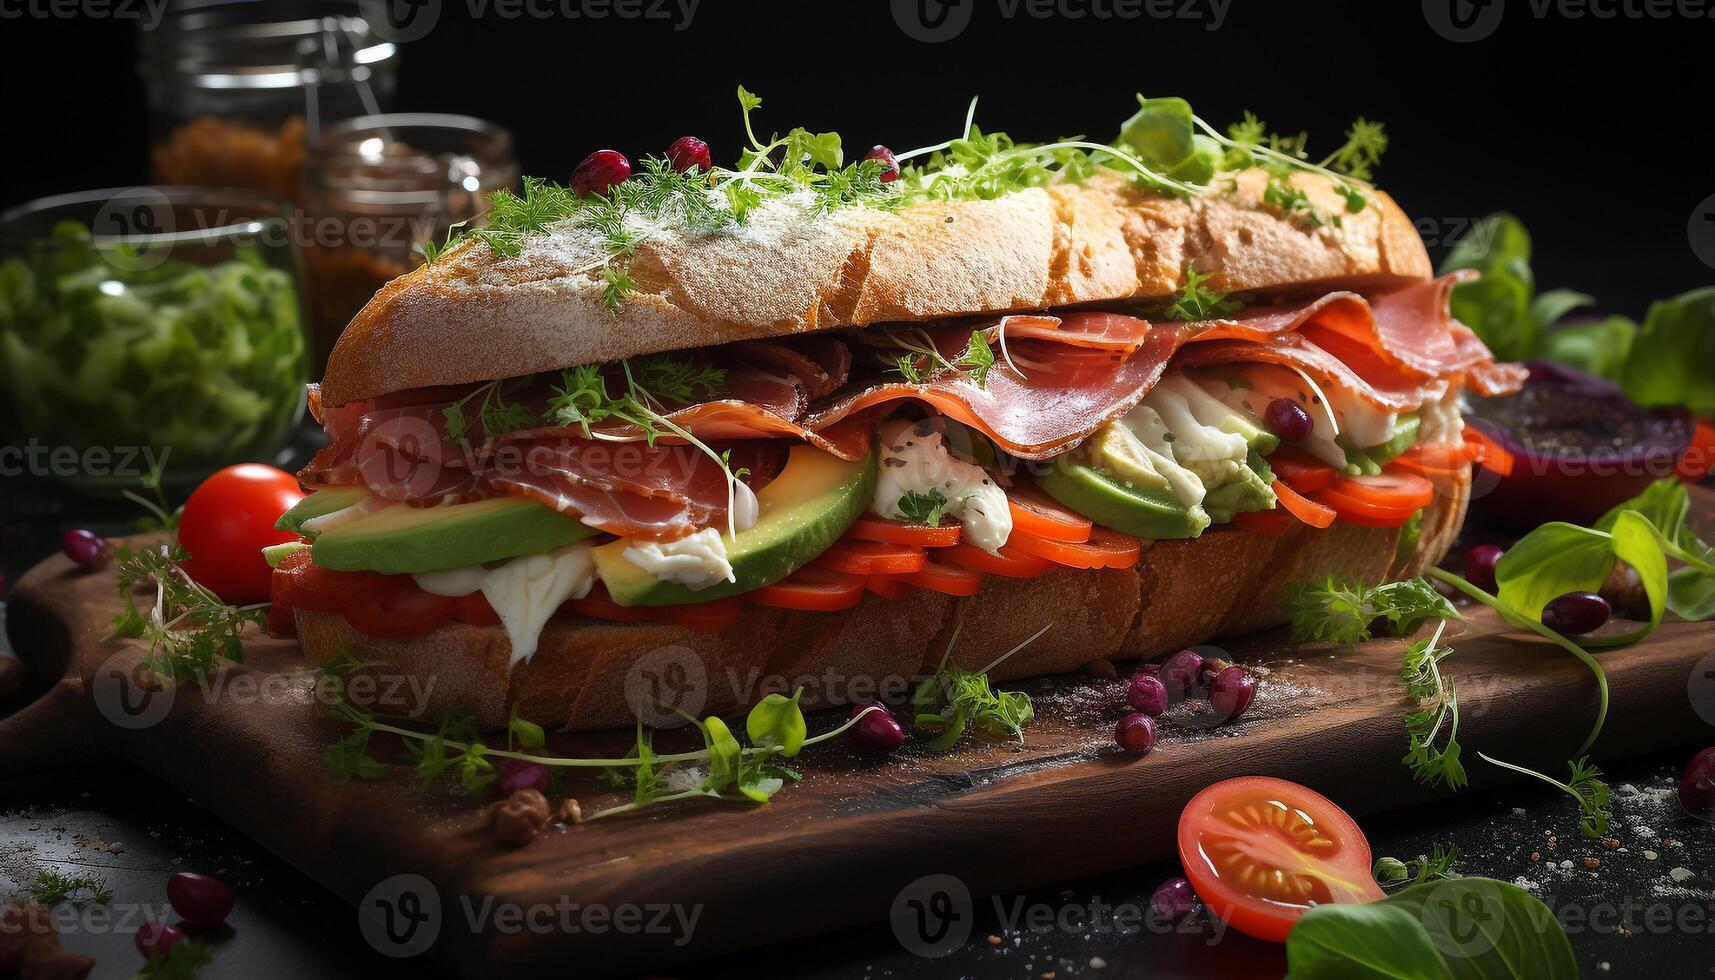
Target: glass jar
(237, 89)
(150, 328)
(377, 188)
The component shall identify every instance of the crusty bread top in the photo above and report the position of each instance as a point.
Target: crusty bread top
(472, 316)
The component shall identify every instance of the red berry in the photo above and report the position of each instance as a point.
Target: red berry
(1480, 564)
(888, 160)
(1173, 900)
(1576, 613)
(687, 152)
(1179, 674)
(877, 731)
(513, 775)
(155, 938)
(199, 899)
(1288, 420)
(1697, 789)
(1135, 733)
(1231, 692)
(600, 171)
(1147, 694)
(85, 548)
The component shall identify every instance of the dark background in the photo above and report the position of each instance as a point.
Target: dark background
(1585, 128)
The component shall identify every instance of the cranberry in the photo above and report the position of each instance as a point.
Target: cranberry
(1172, 900)
(1697, 789)
(1135, 733)
(1147, 694)
(1480, 565)
(155, 938)
(1576, 613)
(687, 152)
(1179, 674)
(600, 171)
(1288, 420)
(877, 731)
(1231, 692)
(513, 775)
(86, 548)
(2, 587)
(888, 160)
(199, 899)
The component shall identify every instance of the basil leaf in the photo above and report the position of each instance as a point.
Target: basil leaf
(1497, 307)
(1360, 942)
(1598, 348)
(777, 720)
(1549, 307)
(1551, 561)
(1161, 135)
(1672, 362)
(1691, 594)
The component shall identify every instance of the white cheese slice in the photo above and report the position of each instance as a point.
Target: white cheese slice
(525, 592)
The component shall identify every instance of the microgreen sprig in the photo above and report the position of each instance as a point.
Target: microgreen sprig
(1437, 865)
(1195, 301)
(1436, 704)
(952, 700)
(1342, 612)
(188, 627)
(1584, 784)
(52, 887)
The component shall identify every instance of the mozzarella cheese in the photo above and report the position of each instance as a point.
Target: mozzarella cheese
(915, 459)
(345, 515)
(524, 591)
(696, 561)
(1442, 421)
(1362, 423)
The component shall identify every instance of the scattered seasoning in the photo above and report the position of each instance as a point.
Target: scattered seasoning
(1592, 863)
(1536, 856)
(994, 940)
(1650, 855)
(1610, 843)
(1097, 963)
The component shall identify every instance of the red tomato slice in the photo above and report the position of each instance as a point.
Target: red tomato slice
(1436, 461)
(1304, 472)
(311, 586)
(282, 619)
(872, 528)
(1036, 513)
(1393, 491)
(811, 588)
(946, 578)
(886, 586)
(1698, 460)
(404, 615)
(475, 610)
(1273, 522)
(1354, 511)
(705, 617)
(597, 605)
(1011, 562)
(1105, 549)
(1303, 508)
(1491, 454)
(871, 558)
(1261, 852)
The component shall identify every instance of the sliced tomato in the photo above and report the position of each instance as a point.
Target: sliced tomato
(871, 558)
(1304, 472)
(1105, 549)
(946, 578)
(1036, 513)
(1437, 460)
(597, 605)
(872, 528)
(1261, 852)
(1698, 460)
(475, 610)
(1393, 491)
(812, 588)
(887, 586)
(1303, 508)
(705, 617)
(282, 619)
(1491, 454)
(403, 615)
(1273, 522)
(311, 586)
(1010, 562)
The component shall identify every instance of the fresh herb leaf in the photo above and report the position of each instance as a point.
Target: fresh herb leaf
(180, 962)
(1584, 784)
(1435, 866)
(189, 628)
(1435, 705)
(52, 887)
(953, 700)
(1294, 204)
(922, 508)
(1342, 612)
(1195, 301)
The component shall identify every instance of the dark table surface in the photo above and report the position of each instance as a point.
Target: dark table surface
(1627, 916)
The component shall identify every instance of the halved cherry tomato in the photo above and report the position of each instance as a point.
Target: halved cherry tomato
(1261, 852)
(1304, 472)
(705, 617)
(872, 528)
(597, 605)
(310, 586)
(403, 615)
(1393, 491)
(946, 578)
(1010, 562)
(1493, 456)
(871, 558)
(1273, 522)
(475, 610)
(1698, 460)
(1303, 508)
(1036, 513)
(1105, 549)
(811, 588)
(886, 586)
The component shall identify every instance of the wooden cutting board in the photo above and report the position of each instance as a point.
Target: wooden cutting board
(835, 849)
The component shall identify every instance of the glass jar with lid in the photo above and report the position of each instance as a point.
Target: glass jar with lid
(237, 89)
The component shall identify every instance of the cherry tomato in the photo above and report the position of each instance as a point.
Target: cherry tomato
(1303, 508)
(1036, 513)
(872, 528)
(1273, 522)
(705, 617)
(1698, 460)
(811, 588)
(1010, 562)
(475, 610)
(310, 586)
(1104, 549)
(871, 558)
(597, 605)
(1304, 472)
(946, 578)
(228, 520)
(404, 615)
(1261, 852)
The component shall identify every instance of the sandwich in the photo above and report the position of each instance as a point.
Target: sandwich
(805, 421)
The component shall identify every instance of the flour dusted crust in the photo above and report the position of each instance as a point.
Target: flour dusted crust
(472, 316)
(1226, 583)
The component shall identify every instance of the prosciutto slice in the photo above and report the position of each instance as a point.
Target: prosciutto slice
(1385, 388)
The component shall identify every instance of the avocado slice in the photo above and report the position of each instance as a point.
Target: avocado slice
(804, 510)
(1250, 490)
(321, 501)
(1369, 461)
(401, 540)
(1151, 514)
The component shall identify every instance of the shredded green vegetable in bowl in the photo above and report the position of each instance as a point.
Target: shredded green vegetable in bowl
(204, 362)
